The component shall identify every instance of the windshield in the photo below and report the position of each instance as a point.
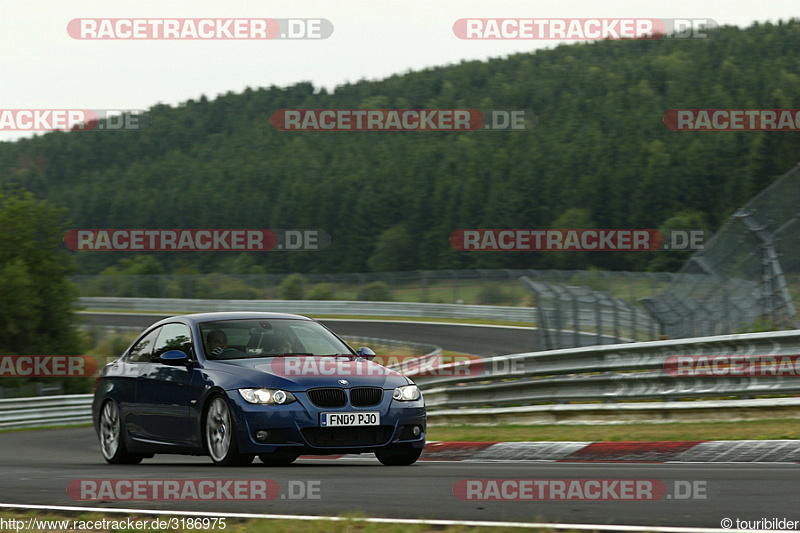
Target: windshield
(239, 339)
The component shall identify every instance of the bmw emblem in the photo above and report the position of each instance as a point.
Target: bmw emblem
(344, 382)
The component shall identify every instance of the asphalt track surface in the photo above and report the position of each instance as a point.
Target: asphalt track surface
(44, 463)
(37, 467)
(470, 339)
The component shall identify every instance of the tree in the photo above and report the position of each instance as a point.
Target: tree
(377, 291)
(390, 201)
(137, 277)
(574, 218)
(393, 251)
(671, 261)
(292, 288)
(37, 299)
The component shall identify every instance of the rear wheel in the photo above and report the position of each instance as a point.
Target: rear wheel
(112, 441)
(398, 455)
(220, 435)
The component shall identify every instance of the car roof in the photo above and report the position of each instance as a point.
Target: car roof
(198, 318)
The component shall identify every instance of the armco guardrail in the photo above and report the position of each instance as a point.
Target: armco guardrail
(607, 373)
(314, 307)
(47, 411)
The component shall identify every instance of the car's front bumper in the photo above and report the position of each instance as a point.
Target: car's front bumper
(295, 427)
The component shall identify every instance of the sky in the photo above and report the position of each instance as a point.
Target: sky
(43, 67)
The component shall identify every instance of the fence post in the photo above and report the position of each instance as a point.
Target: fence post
(598, 317)
(576, 336)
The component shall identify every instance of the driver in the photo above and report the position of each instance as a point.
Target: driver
(282, 344)
(217, 343)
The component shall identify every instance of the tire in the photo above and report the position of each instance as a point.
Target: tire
(219, 431)
(112, 437)
(277, 459)
(398, 456)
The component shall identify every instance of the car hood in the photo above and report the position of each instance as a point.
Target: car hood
(297, 373)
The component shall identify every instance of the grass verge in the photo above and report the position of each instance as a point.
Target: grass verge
(777, 429)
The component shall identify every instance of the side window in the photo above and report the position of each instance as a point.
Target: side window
(141, 351)
(173, 337)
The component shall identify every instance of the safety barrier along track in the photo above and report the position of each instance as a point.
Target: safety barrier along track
(634, 371)
(606, 373)
(47, 411)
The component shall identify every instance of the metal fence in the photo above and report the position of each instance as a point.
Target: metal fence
(611, 373)
(580, 377)
(564, 310)
(745, 277)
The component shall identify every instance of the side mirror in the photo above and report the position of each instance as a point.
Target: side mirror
(174, 358)
(366, 353)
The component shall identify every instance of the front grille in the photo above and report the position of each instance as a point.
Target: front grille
(366, 396)
(348, 436)
(328, 397)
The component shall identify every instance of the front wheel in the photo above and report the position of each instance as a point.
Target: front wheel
(398, 456)
(112, 442)
(220, 435)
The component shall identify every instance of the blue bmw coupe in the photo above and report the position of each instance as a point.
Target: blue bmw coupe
(236, 385)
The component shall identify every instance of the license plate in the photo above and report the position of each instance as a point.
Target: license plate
(349, 419)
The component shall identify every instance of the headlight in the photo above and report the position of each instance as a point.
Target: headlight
(267, 396)
(406, 393)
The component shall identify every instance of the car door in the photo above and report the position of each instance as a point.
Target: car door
(125, 378)
(163, 392)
